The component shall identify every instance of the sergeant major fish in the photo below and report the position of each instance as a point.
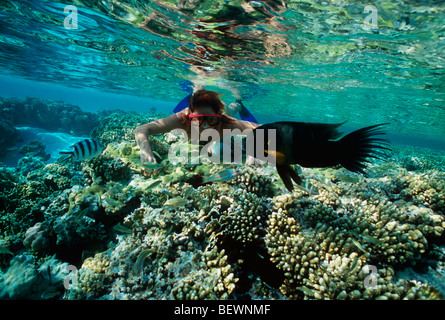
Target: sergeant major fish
(85, 149)
(319, 145)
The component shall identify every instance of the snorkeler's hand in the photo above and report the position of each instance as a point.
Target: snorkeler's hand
(147, 156)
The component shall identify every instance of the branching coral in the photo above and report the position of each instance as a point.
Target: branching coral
(255, 181)
(165, 255)
(103, 168)
(426, 189)
(214, 280)
(242, 238)
(323, 247)
(91, 278)
(241, 216)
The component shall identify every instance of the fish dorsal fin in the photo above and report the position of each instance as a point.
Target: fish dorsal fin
(325, 131)
(306, 130)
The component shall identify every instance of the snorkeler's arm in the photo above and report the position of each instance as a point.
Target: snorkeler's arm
(240, 124)
(164, 125)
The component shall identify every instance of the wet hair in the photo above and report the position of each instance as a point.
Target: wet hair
(205, 98)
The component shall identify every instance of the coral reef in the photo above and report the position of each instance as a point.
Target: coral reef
(34, 157)
(347, 242)
(47, 114)
(324, 254)
(36, 238)
(9, 135)
(133, 237)
(27, 278)
(119, 126)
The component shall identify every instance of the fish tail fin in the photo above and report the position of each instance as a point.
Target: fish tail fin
(358, 146)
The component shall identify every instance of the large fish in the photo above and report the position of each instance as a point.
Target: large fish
(85, 149)
(319, 145)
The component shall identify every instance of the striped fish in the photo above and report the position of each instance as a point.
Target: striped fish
(85, 149)
(222, 176)
(175, 202)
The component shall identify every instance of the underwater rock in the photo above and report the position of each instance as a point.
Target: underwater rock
(36, 238)
(51, 115)
(25, 280)
(9, 135)
(103, 169)
(34, 157)
(35, 148)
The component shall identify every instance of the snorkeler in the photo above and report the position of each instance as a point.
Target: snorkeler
(206, 108)
(312, 145)
(231, 110)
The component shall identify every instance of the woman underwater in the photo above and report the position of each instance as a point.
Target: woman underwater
(206, 108)
(311, 145)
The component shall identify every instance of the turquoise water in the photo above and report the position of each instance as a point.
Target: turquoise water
(64, 75)
(304, 61)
